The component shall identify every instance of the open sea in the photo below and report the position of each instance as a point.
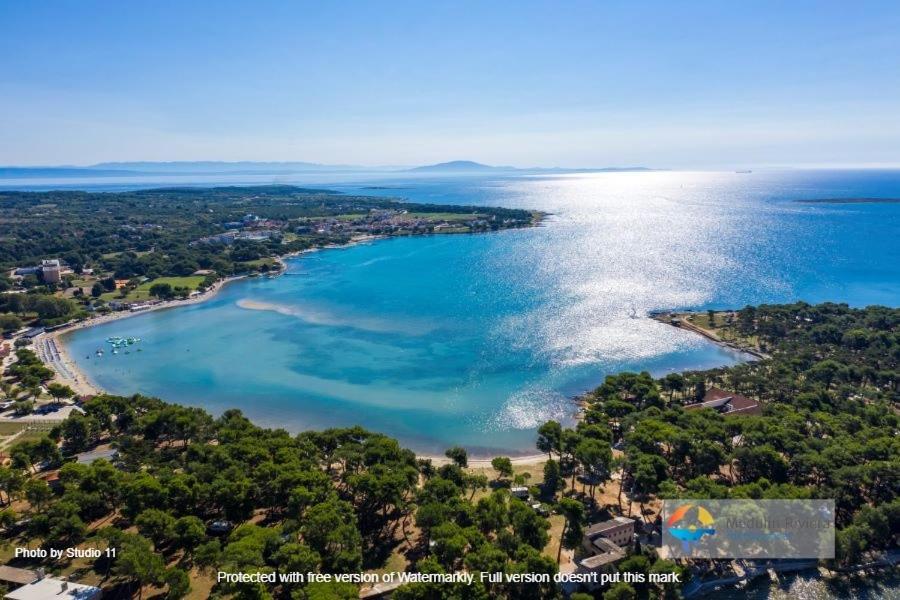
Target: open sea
(477, 339)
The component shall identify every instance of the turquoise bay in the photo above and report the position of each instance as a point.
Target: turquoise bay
(476, 339)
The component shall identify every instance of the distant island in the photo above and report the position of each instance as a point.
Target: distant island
(126, 169)
(459, 165)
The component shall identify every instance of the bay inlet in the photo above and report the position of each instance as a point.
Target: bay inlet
(477, 339)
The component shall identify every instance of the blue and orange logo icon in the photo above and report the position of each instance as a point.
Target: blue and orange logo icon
(689, 523)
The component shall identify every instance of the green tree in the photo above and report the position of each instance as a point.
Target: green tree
(529, 527)
(79, 432)
(553, 479)
(10, 323)
(458, 455)
(162, 290)
(60, 391)
(156, 525)
(503, 466)
(330, 529)
(294, 556)
(136, 561)
(595, 458)
(208, 554)
(178, 584)
(620, 591)
(550, 438)
(573, 513)
(189, 532)
(38, 493)
(60, 525)
(11, 482)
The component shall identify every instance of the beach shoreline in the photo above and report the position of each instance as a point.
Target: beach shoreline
(53, 351)
(679, 320)
(479, 462)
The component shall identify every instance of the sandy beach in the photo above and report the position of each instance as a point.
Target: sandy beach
(485, 463)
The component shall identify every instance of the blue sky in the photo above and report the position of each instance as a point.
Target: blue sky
(667, 84)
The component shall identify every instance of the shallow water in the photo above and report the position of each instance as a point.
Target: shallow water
(476, 339)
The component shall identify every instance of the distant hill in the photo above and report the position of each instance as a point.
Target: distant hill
(125, 169)
(33, 172)
(459, 166)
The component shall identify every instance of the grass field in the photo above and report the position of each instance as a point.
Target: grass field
(459, 229)
(252, 264)
(142, 292)
(440, 216)
(430, 216)
(8, 428)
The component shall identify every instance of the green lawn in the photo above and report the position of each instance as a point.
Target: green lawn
(458, 229)
(254, 264)
(8, 428)
(142, 292)
(443, 216)
(431, 216)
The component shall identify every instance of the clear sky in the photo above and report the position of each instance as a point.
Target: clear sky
(663, 84)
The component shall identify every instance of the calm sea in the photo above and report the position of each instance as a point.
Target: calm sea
(477, 339)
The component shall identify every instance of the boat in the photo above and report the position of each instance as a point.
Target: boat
(122, 342)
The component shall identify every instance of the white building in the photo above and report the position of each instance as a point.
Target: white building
(50, 588)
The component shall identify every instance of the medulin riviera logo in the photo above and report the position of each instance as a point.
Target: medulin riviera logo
(689, 523)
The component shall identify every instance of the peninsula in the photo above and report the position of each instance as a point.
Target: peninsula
(76, 254)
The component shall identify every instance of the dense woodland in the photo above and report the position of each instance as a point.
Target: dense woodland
(84, 227)
(147, 234)
(829, 427)
(343, 500)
